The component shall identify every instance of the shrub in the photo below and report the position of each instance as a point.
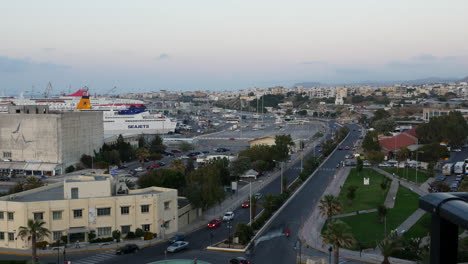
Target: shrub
(64, 239)
(116, 234)
(91, 235)
(148, 236)
(102, 240)
(69, 169)
(244, 232)
(130, 235)
(42, 244)
(138, 232)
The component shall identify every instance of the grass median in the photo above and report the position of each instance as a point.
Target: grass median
(367, 196)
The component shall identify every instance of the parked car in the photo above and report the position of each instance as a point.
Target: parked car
(214, 223)
(454, 187)
(239, 260)
(245, 204)
(168, 153)
(457, 150)
(129, 248)
(222, 150)
(122, 166)
(177, 237)
(152, 166)
(228, 216)
(177, 246)
(161, 164)
(384, 165)
(232, 139)
(441, 178)
(459, 178)
(175, 151)
(4, 178)
(205, 151)
(366, 163)
(139, 169)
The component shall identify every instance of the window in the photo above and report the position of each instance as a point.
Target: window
(145, 228)
(2, 216)
(145, 208)
(125, 229)
(167, 224)
(11, 236)
(103, 231)
(2, 235)
(167, 205)
(7, 154)
(74, 193)
(38, 216)
(57, 235)
(78, 213)
(11, 216)
(103, 211)
(125, 210)
(57, 215)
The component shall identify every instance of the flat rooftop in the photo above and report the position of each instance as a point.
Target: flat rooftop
(56, 193)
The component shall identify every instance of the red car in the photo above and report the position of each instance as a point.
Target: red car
(175, 151)
(245, 204)
(232, 139)
(347, 148)
(152, 166)
(214, 223)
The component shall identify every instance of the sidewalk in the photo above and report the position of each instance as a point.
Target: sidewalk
(413, 187)
(391, 195)
(410, 221)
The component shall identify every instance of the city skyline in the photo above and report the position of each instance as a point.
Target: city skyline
(210, 45)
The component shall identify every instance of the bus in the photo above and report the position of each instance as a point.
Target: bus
(458, 168)
(447, 169)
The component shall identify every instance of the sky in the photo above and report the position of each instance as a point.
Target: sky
(149, 45)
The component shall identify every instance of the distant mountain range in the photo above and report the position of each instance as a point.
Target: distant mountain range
(381, 83)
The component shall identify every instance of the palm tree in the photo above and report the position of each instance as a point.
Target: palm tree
(177, 165)
(34, 231)
(329, 206)
(142, 154)
(388, 246)
(382, 212)
(338, 234)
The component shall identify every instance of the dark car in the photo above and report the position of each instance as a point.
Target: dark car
(168, 153)
(222, 150)
(122, 166)
(129, 248)
(340, 148)
(239, 260)
(4, 178)
(178, 237)
(161, 164)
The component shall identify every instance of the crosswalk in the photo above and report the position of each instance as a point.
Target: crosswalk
(98, 258)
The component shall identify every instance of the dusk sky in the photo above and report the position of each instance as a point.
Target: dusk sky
(225, 45)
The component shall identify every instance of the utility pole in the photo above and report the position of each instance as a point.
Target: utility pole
(281, 164)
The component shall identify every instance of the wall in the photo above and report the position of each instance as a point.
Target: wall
(88, 188)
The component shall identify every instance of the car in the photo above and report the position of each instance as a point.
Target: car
(194, 154)
(177, 237)
(5, 178)
(129, 248)
(441, 178)
(152, 166)
(161, 164)
(245, 204)
(139, 169)
(228, 216)
(176, 151)
(366, 163)
(454, 187)
(222, 150)
(239, 260)
(177, 246)
(205, 151)
(340, 148)
(214, 223)
(122, 166)
(258, 196)
(459, 178)
(457, 150)
(168, 153)
(384, 165)
(232, 139)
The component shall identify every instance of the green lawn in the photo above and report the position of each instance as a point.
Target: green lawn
(408, 174)
(421, 228)
(366, 227)
(367, 196)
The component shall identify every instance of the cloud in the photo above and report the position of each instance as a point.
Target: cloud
(313, 62)
(425, 58)
(49, 49)
(351, 71)
(10, 65)
(163, 56)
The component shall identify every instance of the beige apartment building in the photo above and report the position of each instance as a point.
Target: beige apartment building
(76, 207)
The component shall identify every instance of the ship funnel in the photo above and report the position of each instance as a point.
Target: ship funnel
(84, 103)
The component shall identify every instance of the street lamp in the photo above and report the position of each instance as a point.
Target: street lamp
(281, 166)
(417, 165)
(229, 233)
(298, 247)
(330, 249)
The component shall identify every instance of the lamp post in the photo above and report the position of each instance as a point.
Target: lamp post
(281, 164)
(330, 249)
(298, 247)
(417, 165)
(229, 233)
(250, 198)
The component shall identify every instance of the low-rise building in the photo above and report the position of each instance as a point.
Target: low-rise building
(77, 207)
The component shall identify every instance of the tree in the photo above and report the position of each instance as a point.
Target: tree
(204, 186)
(382, 212)
(389, 246)
(142, 142)
(351, 194)
(359, 165)
(432, 152)
(402, 154)
(32, 182)
(463, 186)
(283, 145)
(162, 178)
(69, 169)
(375, 157)
(177, 165)
(33, 232)
(244, 232)
(338, 234)
(451, 128)
(384, 125)
(185, 146)
(370, 142)
(380, 114)
(329, 206)
(440, 186)
(156, 145)
(142, 154)
(239, 166)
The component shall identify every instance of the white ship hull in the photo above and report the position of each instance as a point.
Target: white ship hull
(141, 123)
